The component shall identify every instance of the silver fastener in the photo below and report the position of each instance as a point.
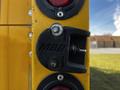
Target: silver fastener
(60, 77)
(60, 14)
(53, 64)
(30, 53)
(57, 29)
(30, 12)
(30, 34)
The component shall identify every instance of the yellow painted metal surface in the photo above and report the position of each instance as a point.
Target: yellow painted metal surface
(15, 64)
(3, 58)
(15, 11)
(19, 60)
(18, 12)
(40, 23)
(14, 58)
(3, 11)
(14, 45)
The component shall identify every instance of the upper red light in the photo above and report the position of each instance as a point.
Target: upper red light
(60, 88)
(59, 3)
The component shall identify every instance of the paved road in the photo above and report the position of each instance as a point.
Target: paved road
(105, 51)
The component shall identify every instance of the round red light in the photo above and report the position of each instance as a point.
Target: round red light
(59, 3)
(60, 88)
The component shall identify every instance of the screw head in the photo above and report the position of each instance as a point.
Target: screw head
(30, 12)
(60, 77)
(53, 64)
(30, 53)
(60, 14)
(56, 29)
(30, 34)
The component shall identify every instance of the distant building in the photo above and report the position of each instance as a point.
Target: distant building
(108, 41)
(116, 41)
(105, 42)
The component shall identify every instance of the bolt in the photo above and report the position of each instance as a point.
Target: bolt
(30, 12)
(30, 34)
(56, 29)
(30, 53)
(53, 64)
(60, 14)
(60, 77)
(82, 50)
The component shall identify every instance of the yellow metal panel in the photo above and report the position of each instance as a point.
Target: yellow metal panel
(15, 67)
(3, 58)
(19, 60)
(3, 11)
(40, 23)
(18, 12)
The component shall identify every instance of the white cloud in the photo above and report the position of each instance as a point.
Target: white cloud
(116, 18)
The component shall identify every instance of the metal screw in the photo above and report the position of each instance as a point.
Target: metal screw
(60, 77)
(60, 14)
(77, 49)
(30, 34)
(53, 64)
(56, 29)
(30, 12)
(30, 53)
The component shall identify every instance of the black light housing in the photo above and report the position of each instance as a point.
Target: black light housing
(61, 11)
(69, 82)
(64, 53)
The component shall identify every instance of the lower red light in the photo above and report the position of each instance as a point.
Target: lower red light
(60, 88)
(59, 3)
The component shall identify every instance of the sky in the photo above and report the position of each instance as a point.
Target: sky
(102, 16)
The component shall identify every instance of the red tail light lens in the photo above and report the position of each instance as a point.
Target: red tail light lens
(60, 88)
(59, 3)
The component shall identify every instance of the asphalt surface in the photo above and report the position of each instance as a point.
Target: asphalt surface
(105, 51)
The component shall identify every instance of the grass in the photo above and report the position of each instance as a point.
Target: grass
(105, 72)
